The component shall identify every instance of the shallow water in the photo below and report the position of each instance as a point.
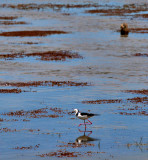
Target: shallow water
(36, 123)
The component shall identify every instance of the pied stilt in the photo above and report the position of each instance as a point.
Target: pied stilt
(84, 116)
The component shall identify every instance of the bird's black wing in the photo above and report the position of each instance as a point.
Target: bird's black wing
(88, 114)
(84, 114)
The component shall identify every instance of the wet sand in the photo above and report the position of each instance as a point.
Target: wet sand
(58, 56)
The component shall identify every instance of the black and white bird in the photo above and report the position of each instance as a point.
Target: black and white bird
(84, 116)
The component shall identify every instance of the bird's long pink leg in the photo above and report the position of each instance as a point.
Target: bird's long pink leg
(82, 123)
(85, 123)
(89, 122)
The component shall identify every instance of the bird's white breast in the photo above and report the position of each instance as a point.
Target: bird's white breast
(82, 117)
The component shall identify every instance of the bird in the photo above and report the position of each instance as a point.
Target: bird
(124, 29)
(84, 116)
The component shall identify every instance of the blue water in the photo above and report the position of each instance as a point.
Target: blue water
(108, 65)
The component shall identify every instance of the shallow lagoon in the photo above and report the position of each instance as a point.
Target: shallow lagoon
(36, 122)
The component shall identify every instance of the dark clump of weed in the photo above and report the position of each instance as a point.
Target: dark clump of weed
(44, 83)
(32, 33)
(28, 147)
(10, 90)
(44, 56)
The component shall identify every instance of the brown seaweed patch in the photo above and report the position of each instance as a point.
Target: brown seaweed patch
(139, 30)
(57, 110)
(135, 110)
(44, 83)
(132, 100)
(142, 15)
(112, 12)
(38, 113)
(25, 113)
(66, 14)
(25, 120)
(138, 100)
(26, 116)
(120, 11)
(28, 147)
(144, 91)
(64, 153)
(1, 119)
(8, 18)
(7, 130)
(50, 116)
(76, 145)
(55, 55)
(61, 153)
(32, 6)
(104, 101)
(10, 90)
(8, 120)
(27, 42)
(108, 12)
(134, 113)
(30, 43)
(12, 22)
(32, 33)
(44, 56)
(34, 130)
(140, 54)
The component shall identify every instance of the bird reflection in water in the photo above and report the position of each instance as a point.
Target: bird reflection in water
(84, 139)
